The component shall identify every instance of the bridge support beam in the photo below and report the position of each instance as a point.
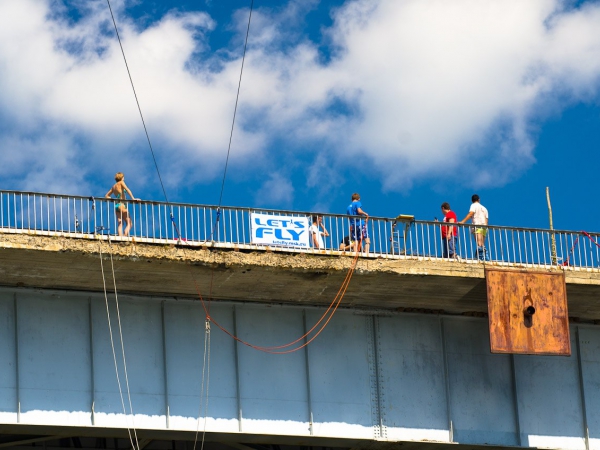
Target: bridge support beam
(368, 378)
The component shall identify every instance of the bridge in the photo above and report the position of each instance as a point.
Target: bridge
(105, 340)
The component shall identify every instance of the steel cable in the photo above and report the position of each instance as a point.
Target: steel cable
(138, 103)
(112, 344)
(341, 292)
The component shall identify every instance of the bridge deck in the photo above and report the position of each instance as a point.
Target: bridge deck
(373, 379)
(442, 286)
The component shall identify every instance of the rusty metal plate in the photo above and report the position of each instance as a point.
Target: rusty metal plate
(528, 312)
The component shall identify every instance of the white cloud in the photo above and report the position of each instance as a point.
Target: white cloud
(413, 89)
(276, 189)
(438, 78)
(86, 93)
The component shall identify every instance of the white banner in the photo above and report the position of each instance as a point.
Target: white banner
(279, 230)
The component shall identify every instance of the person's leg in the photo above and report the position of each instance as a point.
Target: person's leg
(128, 221)
(354, 239)
(451, 247)
(346, 244)
(444, 247)
(454, 241)
(120, 221)
(365, 238)
(480, 238)
(486, 254)
(477, 254)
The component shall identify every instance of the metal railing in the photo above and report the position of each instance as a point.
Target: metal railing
(198, 225)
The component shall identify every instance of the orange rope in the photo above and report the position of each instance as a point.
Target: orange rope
(277, 349)
(337, 300)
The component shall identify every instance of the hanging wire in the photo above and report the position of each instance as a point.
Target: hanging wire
(278, 349)
(112, 344)
(339, 296)
(112, 267)
(205, 371)
(138, 105)
(237, 97)
(327, 316)
(142, 115)
(236, 104)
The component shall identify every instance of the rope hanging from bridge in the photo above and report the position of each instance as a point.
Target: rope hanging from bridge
(203, 393)
(135, 445)
(279, 349)
(326, 317)
(138, 106)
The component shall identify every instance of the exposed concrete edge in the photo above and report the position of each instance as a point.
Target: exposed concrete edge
(228, 257)
(280, 259)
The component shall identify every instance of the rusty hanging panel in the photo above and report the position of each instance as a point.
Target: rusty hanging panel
(528, 312)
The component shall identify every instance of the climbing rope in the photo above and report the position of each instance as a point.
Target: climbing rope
(205, 370)
(206, 305)
(281, 349)
(138, 103)
(326, 317)
(112, 345)
(112, 267)
(236, 103)
(585, 233)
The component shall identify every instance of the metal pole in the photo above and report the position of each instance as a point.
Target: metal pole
(307, 365)
(552, 236)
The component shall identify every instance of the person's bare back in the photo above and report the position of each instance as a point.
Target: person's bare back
(120, 191)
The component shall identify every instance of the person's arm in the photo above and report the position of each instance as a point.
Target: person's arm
(315, 238)
(109, 193)
(450, 231)
(362, 213)
(129, 192)
(325, 232)
(469, 216)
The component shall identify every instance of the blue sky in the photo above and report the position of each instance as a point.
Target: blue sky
(408, 102)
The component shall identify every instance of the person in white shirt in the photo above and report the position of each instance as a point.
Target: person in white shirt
(479, 216)
(316, 233)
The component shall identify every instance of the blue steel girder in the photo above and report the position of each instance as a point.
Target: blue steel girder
(366, 378)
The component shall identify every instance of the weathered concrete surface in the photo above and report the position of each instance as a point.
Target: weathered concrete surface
(305, 279)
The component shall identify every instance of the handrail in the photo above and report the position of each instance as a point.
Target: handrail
(153, 221)
(280, 211)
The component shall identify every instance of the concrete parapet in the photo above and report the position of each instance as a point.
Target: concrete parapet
(419, 284)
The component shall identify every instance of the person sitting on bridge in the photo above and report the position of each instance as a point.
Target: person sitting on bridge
(316, 233)
(358, 227)
(346, 244)
(120, 191)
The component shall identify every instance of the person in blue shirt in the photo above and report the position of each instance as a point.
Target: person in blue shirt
(358, 226)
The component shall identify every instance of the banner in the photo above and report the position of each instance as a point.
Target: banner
(279, 230)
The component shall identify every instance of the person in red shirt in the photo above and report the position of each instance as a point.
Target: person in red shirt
(449, 233)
